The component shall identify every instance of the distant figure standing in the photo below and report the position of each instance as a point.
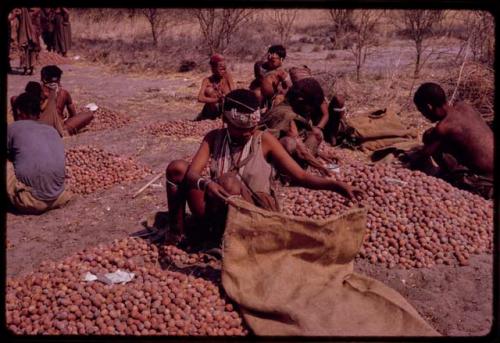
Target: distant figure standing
(13, 28)
(37, 30)
(214, 88)
(26, 41)
(47, 27)
(62, 31)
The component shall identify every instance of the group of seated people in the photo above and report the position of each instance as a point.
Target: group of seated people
(42, 115)
(275, 128)
(272, 133)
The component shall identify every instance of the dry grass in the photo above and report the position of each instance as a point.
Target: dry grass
(124, 42)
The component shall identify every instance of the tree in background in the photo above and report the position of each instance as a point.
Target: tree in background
(480, 36)
(364, 24)
(342, 25)
(419, 25)
(159, 19)
(283, 20)
(219, 25)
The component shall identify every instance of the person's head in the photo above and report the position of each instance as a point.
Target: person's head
(242, 114)
(305, 96)
(275, 55)
(35, 89)
(218, 65)
(27, 106)
(430, 99)
(51, 74)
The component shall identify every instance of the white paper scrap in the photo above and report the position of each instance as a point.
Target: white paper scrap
(93, 107)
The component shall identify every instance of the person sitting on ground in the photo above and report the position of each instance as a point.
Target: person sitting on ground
(328, 117)
(60, 99)
(242, 162)
(35, 166)
(293, 124)
(271, 80)
(214, 88)
(461, 143)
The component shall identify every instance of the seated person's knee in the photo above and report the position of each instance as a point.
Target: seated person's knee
(176, 171)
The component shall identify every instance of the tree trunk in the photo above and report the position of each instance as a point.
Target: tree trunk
(153, 31)
(418, 46)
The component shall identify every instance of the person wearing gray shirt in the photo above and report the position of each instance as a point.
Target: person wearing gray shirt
(35, 178)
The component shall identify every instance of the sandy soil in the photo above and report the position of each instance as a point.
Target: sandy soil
(457, 301)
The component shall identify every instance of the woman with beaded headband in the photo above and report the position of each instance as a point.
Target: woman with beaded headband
(242, 161)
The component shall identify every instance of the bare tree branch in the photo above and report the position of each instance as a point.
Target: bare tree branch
(418, 24)
(218, 26)
(282, 21)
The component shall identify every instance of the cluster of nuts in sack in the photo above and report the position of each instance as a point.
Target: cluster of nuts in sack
(344, 155)
(106, 119)
(184, 128)
(170, 254)
(89, 169)
(56, 299)
(414, 220)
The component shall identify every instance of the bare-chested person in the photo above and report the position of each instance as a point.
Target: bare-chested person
(461, 143)
(214, 88)
(59, 100)
(271, 80)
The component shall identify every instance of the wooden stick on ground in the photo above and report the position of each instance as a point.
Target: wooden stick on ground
(147, 185)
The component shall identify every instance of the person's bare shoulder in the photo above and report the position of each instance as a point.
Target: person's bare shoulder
(210, 136)
(64, 94)
(268, 140)
(463, 108)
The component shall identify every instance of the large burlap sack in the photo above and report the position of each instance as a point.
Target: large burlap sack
(379, 129)
(294, 276)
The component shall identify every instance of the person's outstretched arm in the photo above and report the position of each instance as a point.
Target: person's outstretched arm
(285, 164)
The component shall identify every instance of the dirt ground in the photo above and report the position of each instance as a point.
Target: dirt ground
(457, 301)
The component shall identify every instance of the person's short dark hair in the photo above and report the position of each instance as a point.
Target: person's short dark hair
(34, 88)
(245, 101)
(28, 104)
(308, 89)
(51, 73)
(430, 93)
(278, 50)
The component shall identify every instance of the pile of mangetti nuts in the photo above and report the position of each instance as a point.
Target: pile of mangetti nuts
(49, 57)
(106, 119)
(56, 299)
(183, 128)
(413, 220)
(89, 169)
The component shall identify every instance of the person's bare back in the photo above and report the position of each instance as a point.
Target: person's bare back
(466, 137)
